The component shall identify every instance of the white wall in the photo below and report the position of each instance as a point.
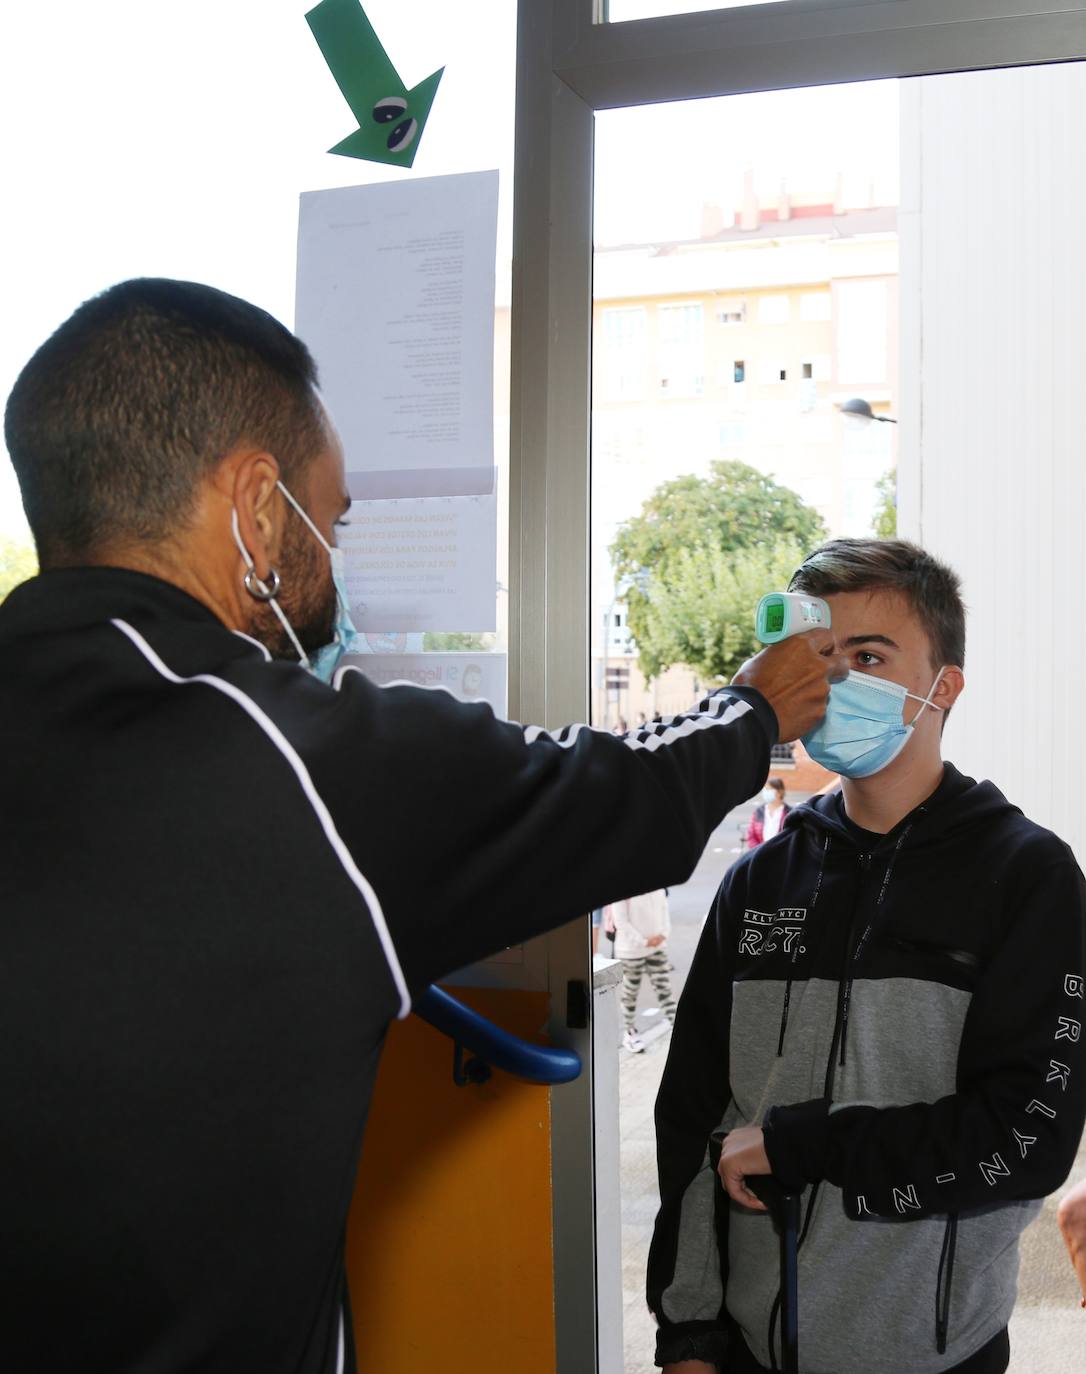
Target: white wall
(993, 421)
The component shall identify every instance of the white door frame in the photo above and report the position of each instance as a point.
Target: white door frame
(569, 66)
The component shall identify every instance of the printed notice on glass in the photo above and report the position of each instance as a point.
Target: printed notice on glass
(423, 564)
(468, 676)
(396, 302)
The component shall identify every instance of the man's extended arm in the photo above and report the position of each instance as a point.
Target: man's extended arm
(1011, 1129)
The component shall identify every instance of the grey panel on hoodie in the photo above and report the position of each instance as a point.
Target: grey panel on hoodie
(875, 1279)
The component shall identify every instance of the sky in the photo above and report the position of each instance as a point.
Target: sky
(155, 137)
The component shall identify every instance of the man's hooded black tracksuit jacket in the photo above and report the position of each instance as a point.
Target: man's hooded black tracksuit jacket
(219, 881)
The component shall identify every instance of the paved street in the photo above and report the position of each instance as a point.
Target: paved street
(1048, 1333)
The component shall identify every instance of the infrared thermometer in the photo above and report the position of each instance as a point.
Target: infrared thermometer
(781, 614)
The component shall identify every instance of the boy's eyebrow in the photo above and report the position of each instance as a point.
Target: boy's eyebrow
(854, 641)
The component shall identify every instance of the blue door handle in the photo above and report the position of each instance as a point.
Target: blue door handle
(490, 1045)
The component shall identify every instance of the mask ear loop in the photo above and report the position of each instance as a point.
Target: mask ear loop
(333, 552)
(266, 591)
(925, 702)
(305, 517)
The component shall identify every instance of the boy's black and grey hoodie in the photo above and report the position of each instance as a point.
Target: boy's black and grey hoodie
(904, 1013)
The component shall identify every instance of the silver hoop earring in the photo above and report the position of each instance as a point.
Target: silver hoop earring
(262, 591)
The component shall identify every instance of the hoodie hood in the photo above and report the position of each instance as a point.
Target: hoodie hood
(959, 803)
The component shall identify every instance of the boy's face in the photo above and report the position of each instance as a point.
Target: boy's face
(881, 635)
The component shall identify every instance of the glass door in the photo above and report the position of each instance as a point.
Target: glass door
(573, 649)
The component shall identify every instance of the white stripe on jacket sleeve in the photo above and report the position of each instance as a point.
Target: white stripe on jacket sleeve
(720, 710)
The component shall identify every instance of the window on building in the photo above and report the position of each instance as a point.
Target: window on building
(862, 325)
(774, 310)
(682, 350)
(733, 433)
(617, 680)
(771, 371)
(739, 370)
(623, 353)
(734, 312)
(808, 371)
(815, 306)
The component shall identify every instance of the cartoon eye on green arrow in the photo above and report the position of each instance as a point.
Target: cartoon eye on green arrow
(390, 117)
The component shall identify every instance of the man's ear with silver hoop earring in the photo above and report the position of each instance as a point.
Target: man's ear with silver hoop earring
(261, 590)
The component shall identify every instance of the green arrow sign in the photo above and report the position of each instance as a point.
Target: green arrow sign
(390, 117)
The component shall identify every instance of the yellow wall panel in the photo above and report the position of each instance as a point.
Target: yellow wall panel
(449, 1240)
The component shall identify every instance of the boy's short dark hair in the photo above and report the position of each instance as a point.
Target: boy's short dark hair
(117, 417)
(931, 588)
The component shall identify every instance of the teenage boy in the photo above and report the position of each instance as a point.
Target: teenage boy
(885, 1012)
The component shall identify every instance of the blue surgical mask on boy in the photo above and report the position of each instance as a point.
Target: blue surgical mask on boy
(864, 728)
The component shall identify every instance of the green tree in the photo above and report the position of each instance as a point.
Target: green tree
(702, 615)
(693, 564)
(735, 507)
(17, 563)
(457, 641)
(885, 523)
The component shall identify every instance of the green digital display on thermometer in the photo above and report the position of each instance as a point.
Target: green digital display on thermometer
(781, 614)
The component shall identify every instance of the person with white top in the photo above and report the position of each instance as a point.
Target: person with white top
(641, 926)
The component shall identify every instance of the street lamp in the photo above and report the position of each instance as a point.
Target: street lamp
(861, 410)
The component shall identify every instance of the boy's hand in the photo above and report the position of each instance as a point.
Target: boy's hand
(654, 940)
(743, 1154)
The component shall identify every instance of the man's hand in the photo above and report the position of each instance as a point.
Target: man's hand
(743, 1154)
(690, 1367)
(1072, 1219)
(794, 676)
(654, 940)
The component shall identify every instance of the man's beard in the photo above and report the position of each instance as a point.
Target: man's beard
(307, 597)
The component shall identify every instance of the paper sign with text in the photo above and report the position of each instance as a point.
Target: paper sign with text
(469, 676)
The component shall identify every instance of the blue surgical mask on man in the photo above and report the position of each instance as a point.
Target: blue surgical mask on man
(864, 730)
(324, 661)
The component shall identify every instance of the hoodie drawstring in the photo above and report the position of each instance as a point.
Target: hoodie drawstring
(864, 937)
(942, 1287)
(795, 952)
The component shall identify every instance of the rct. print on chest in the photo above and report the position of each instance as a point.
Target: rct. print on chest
(766, 931)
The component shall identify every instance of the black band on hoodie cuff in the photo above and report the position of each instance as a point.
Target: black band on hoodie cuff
(797, 1141)
(692, 1341)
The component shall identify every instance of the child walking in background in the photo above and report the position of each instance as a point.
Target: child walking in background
(641, 926)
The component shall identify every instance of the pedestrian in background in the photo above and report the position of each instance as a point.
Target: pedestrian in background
(769, 814)
(641, 927)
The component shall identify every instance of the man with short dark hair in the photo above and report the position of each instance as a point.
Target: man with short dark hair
(885, 1012)
(221, 876)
